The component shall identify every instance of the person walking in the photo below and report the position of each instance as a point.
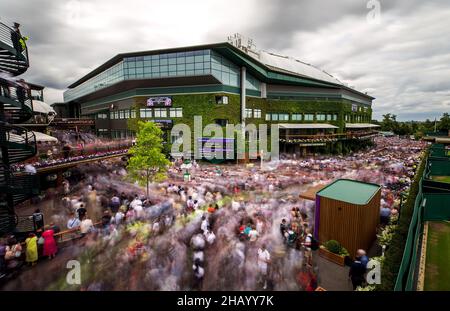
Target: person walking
(73, 222)
(199, 273)
(38, 219)
(31, 254)
(356, 273)
(263, 264)
(50, 247)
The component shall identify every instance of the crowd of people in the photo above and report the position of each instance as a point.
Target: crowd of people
(75, 147)
(228, 227)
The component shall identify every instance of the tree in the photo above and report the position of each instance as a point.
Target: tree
(444, 123)
(147, 163)
(389, 122)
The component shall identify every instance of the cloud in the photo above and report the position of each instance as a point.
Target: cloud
(404, 61)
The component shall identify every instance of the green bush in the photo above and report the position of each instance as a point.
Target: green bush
(394, 254)
(333, 246)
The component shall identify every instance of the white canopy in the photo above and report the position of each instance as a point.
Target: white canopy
(306, 126)
(41, 107)
(360, 125)
(41, 137)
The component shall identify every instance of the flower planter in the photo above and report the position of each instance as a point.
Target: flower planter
(337, 259)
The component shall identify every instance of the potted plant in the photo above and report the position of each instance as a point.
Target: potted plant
(334, 252)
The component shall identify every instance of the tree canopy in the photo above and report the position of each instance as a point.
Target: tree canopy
(147, 163)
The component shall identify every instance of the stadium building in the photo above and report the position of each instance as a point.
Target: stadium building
(224, 83)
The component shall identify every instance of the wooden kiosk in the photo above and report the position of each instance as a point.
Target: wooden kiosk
(348, 211)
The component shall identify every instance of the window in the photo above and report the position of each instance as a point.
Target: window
(296, 117)
(274, 117)
(176, 112)
(347, 118)
(248, 113)
(354, 107)
(268, 116)
(222, 122)
(329, 117)
(160, 113)
(176, 138)
(320, 117)
(102, 115)
(257, 113)
(133, 113)
(121, 114)
(102, 132)
(309, 117)
(126, 114)
(145, 113)
(283, 117)
(335, 116)
(223, 100)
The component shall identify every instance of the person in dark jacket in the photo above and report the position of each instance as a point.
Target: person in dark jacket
(15, 37)
(356, 273)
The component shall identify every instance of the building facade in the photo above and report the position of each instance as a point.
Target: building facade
(224, 83)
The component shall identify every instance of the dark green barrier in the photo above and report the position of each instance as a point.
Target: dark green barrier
(437, 206)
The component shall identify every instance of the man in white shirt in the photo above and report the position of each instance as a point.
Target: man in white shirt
(205, 224)
(253, 234)
(210, 236)
(139, 211)
(73, 222)
(135, 202)
(118, 217)
(263, 262)
(307, 245)
(86, 226)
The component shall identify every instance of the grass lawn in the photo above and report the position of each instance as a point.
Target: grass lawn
(442, 178)
(437, 272)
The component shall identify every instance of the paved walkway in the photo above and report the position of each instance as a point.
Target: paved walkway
(331, 276)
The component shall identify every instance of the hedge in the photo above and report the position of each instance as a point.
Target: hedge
(394, 253)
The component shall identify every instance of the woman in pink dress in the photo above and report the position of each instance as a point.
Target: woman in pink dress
(50, 247)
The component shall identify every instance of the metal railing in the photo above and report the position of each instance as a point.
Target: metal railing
(17, 97)
(327, 137)
(18, 135)
(12, 39)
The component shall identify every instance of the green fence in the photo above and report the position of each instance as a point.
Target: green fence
(438, 150)
(429, 206)
(406, 273)
(437, 206)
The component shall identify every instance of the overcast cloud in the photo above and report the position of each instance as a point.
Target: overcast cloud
(403, 61)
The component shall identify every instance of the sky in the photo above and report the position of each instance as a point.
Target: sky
(396, 50)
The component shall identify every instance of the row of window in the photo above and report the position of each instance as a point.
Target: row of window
(356, 108)
(161, 112)
(301, 117)
(121, 114)
(116, 133)
(249, 113)
(253, 113)
(356, 118)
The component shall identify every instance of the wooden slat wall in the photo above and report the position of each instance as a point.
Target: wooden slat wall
(354, 226)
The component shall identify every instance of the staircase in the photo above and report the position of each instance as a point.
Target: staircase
(16, 143)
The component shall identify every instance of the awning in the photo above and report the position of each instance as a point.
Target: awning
(360, 125)
(310, 194)
(41, 107)
(306, 126)
(41, 137)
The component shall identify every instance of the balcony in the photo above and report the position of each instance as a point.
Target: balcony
(13, 51)
(327, 138)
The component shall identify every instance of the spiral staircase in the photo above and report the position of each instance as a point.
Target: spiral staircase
(16, 143)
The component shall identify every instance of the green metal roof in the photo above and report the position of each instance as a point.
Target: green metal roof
(258, 69)
(350, 191)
